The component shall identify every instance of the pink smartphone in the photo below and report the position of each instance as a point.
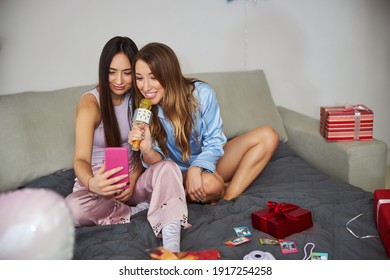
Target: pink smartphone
(115, 157)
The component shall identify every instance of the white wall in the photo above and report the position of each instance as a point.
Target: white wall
(314, 52)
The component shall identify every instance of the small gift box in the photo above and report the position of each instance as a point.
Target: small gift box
(382, 216)
(282, 219)
(346, 123)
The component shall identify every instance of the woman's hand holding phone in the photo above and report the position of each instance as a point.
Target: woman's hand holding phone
(112, 179)
(104, 184)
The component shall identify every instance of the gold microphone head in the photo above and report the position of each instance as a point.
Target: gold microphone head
(146, 104)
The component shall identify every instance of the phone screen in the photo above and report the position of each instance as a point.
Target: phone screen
(115, 157)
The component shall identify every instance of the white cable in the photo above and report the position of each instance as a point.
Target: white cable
(307, 257)
(360, 237)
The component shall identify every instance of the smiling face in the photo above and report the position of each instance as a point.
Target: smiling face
(147, 84)
(119, 76)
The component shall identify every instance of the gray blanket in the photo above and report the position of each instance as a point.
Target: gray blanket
(287, 178)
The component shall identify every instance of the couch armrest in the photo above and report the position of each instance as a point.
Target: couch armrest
(360, 163)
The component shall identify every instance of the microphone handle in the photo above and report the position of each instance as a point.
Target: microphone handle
(142, 115)
(136, 143)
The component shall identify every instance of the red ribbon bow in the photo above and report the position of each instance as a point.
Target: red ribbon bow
(282, 209)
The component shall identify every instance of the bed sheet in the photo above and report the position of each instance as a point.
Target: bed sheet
(287, 178)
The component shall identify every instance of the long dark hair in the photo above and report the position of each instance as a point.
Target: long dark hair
(114, 46)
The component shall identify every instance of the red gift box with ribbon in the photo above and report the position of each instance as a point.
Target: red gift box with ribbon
(282, 219)
(346, 123)
(382, 216)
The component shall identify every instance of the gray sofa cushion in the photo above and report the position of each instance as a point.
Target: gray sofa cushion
(245, 101)
(37, 134)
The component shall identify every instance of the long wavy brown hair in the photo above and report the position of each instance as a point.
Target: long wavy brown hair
(178, 103)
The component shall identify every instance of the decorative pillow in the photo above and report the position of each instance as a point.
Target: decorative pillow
(37, 134)
(245, 101)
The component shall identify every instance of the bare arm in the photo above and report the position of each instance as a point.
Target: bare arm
(87, 118)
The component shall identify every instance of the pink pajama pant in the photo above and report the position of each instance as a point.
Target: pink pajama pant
(161, 185)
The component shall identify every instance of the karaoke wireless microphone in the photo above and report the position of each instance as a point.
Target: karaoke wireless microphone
(142, 115)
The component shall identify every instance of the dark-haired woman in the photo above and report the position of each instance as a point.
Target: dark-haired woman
(102, 119)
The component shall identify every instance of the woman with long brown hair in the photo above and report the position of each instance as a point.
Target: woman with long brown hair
(188, 129)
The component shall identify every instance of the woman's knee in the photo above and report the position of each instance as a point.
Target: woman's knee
(273, 136)
(267, 136)
(73, 203)
(76, 202)
(213, 184)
